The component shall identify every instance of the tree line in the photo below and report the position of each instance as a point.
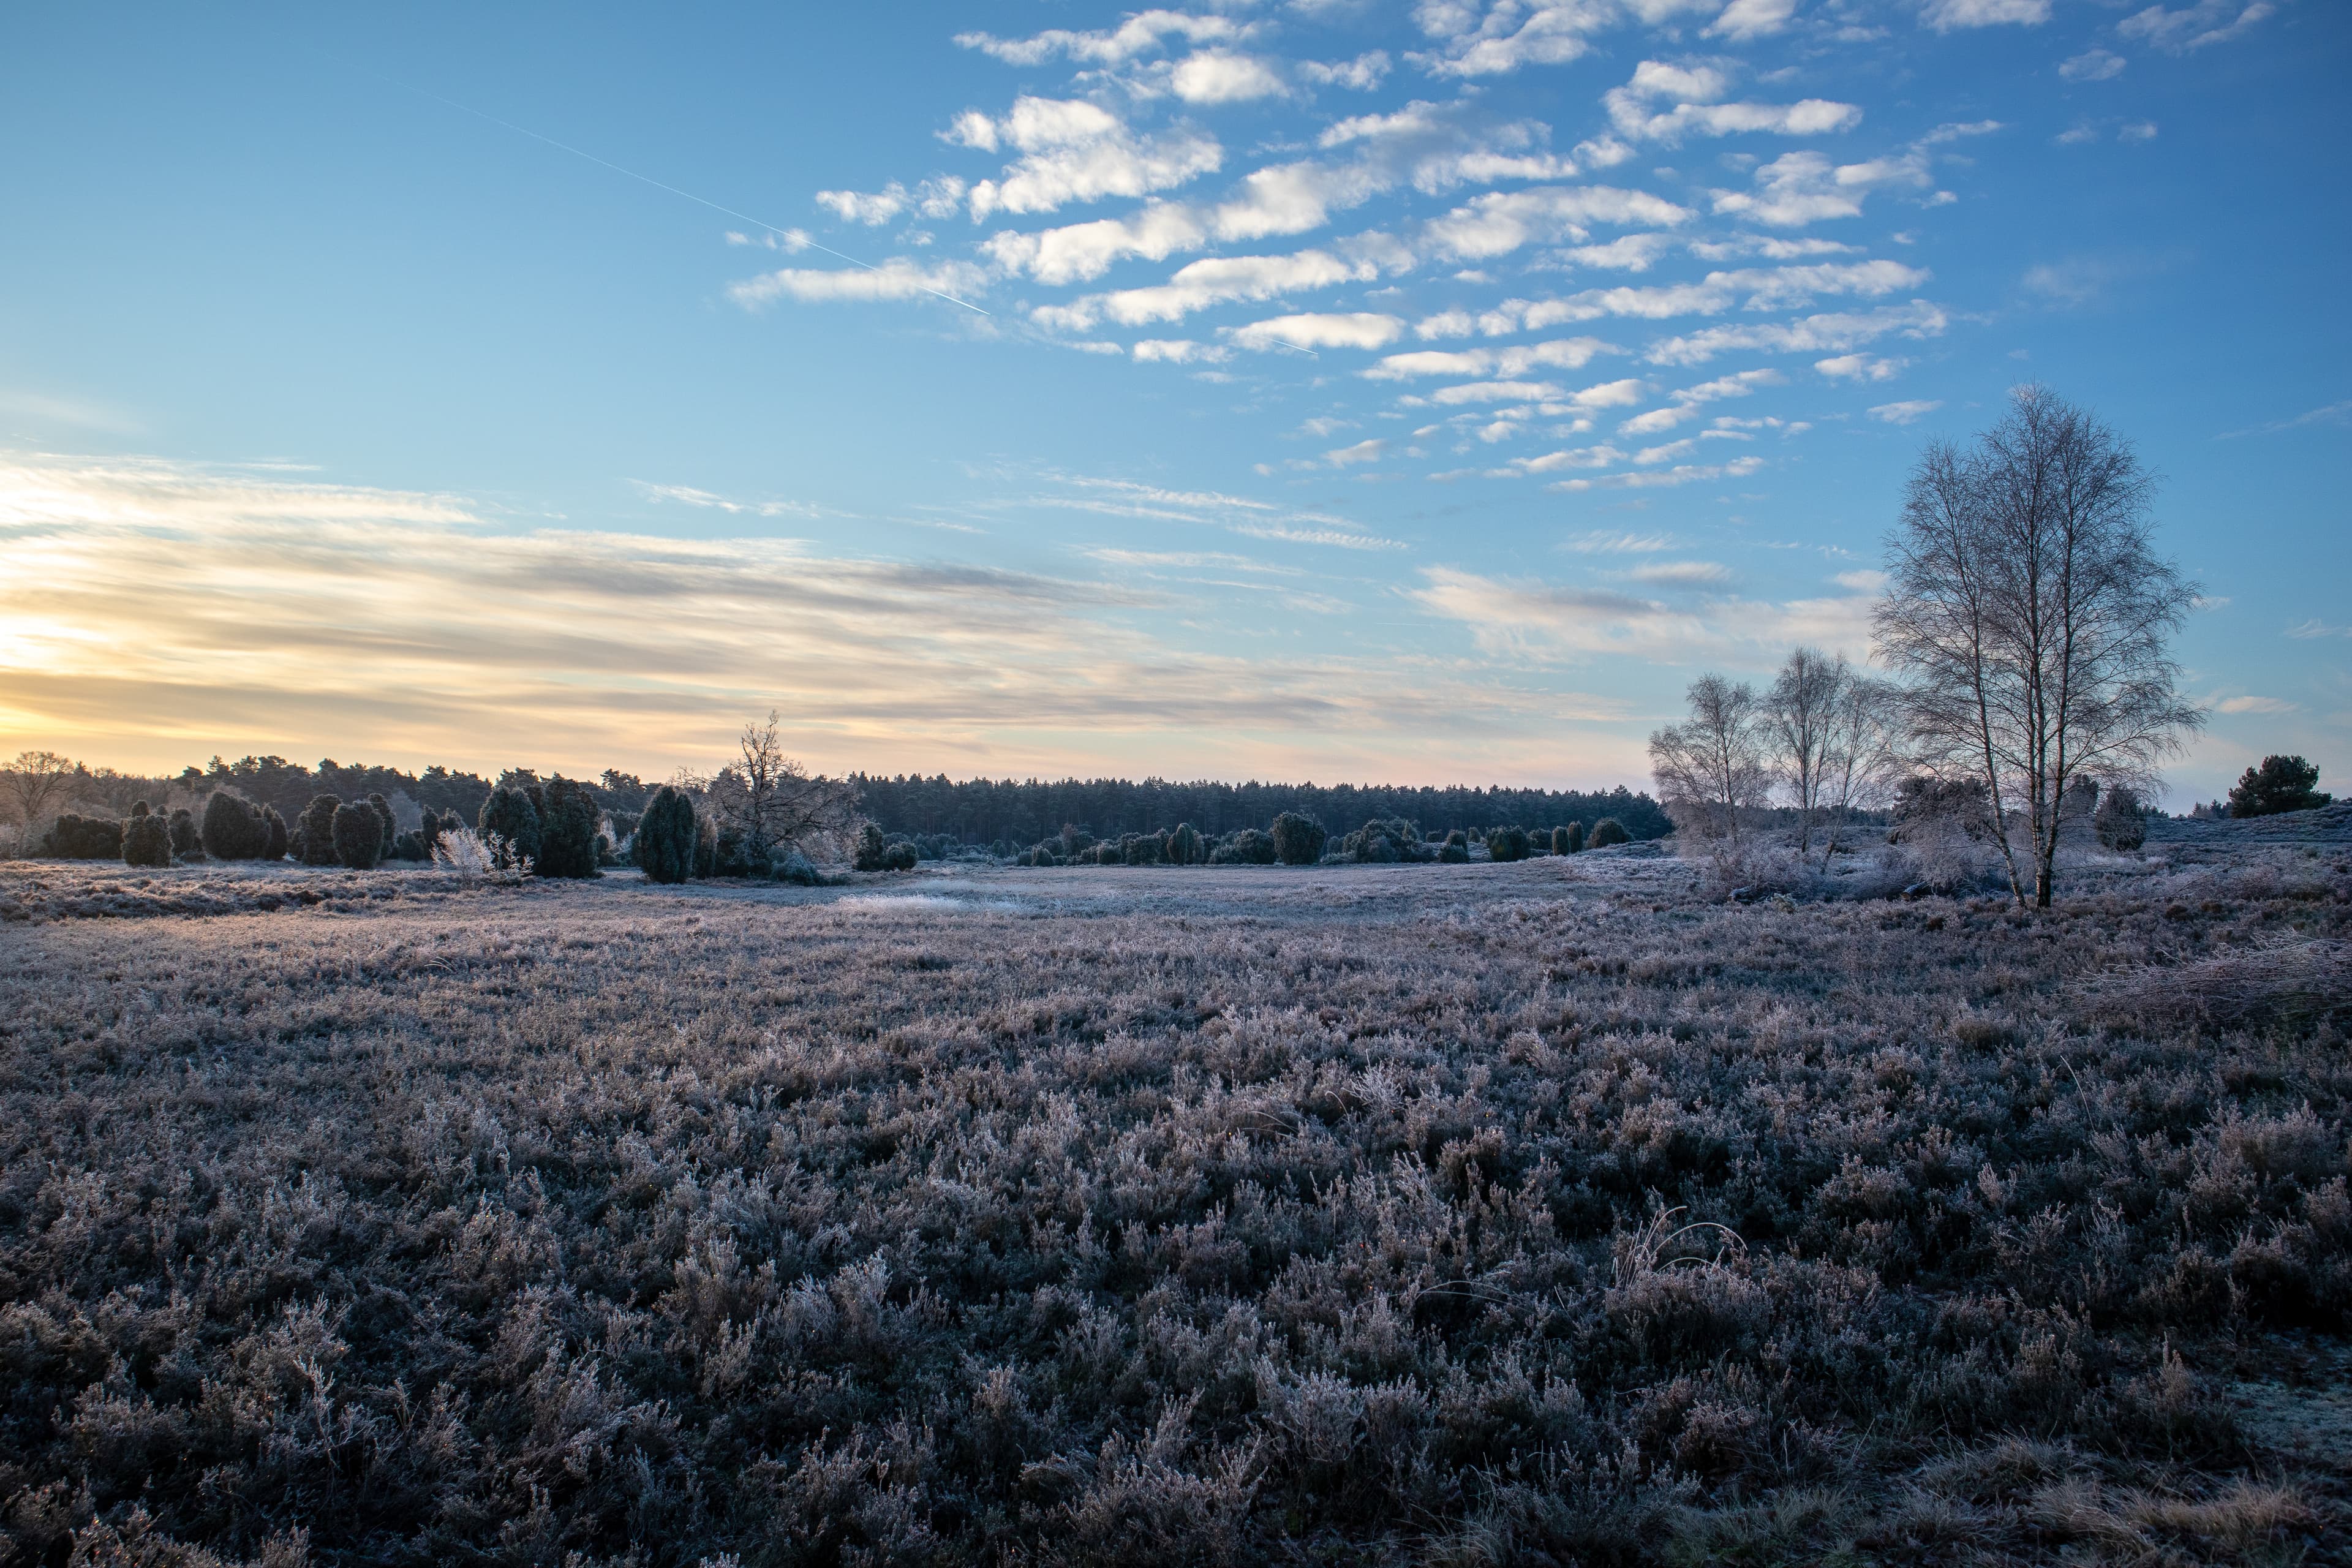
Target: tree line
(1025, 811)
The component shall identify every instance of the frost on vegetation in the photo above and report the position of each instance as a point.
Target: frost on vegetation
(1552, 1212)
(480, 857)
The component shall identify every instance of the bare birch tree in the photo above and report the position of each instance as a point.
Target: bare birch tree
(1710, 769)
(2033, 618)
(1861, 756)
(1798, 713)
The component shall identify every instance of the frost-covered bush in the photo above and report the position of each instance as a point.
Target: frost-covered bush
(1567, 840)
(181, 831)
(1455, 850)
(1606, 832)
(1184, 847)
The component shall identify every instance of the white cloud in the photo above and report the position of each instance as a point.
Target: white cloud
(1681, 573)
(1746, 19)
(1907, 412)
(1770, 246)
(1628, 253)
(1603, 541)
(1179, 350)
(1215, 280)
(855, 206)
(2093, 65)
(1695, 92)
(1945, 16)
(1501, 222)
(2254, 705)
(1610, 394)
(1362, 74)
(1359, 330)
(686, 495)
(1078, 252)
(1833, 333)
(1860, 367)
(2195, 26)
(1510, 33)
(1529, 619)
(1496, 392)
(1140, 34)
(1799, 189)
(1689, 402)
(1220, 76)
(1664, 478)
(896, 279)
(2136, 131)
(1764, 289)
(1565, 354)
(1361, 452)
(1291, 198)
(1078, 151)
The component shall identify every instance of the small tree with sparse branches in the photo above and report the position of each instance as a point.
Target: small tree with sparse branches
(37, 781)
(2034, 617)
(1799, 712)
(774, 802)
(1711, 769)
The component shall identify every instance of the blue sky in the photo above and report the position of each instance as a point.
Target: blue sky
(1417, 393)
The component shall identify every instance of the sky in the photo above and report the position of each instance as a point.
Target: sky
(1419, 392)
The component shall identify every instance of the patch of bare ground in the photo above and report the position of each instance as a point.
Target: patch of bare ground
(1554, 1212)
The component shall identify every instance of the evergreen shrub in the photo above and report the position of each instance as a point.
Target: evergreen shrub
(357, 832)
(234, 829)
(1508, 844)
(1608, 831)
(146, 841)
(664, 845)
(1298, 840)
(2279, 785)
(509, 813)
(72, 838)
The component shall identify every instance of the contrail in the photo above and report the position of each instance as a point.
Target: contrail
(796, 239)
(1302, 348)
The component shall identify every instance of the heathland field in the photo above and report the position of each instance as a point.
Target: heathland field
(1546, 1213)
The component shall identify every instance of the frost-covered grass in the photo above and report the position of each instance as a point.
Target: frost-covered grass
(1548, 1212)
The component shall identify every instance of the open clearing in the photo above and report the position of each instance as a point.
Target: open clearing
(1540, 1213)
